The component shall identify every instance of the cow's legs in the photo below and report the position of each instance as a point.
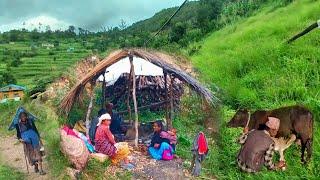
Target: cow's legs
(303, 149)
(309, 149)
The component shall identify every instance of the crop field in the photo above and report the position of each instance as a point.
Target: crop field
(46, 64)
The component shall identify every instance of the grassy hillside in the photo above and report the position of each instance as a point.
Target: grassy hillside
(255, 68)
(187, 13)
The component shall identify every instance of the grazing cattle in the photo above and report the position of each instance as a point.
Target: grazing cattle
(295, 120)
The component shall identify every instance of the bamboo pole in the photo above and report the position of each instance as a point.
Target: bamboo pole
(134, 101)
(171, 102)
(90, 107)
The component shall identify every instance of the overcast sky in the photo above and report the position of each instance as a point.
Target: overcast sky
(89, 14)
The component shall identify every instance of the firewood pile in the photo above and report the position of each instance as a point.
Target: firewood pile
(150, 89)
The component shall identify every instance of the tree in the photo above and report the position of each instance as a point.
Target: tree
(177, 32)
(71, 31)
(7, 78)
(208, 12)
(56, 43)
(122, 25)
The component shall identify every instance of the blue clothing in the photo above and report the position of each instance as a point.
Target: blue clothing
(93, 129)
(156, 139)
(31, 137)
(156, 153)
(86, 142)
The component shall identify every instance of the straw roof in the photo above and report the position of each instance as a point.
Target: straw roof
(160, 59)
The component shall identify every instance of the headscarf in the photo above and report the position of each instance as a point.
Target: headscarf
(273, 123)
(105, 116)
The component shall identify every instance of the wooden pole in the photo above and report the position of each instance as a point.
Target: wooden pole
(90, 107)
(129, 91)
(171, 102)
(134, 101)
(103, 91)
(166, 95)
(305, 31)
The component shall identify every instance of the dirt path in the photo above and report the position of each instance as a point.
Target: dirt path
(147, 168)
(11, 154)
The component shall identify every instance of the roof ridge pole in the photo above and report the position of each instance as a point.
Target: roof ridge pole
(136, 122)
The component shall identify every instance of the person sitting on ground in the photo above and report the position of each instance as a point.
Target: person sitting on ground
(116, 122)
(160, 147)
(258, 148)
(27, 133)
(171, 135)
(106, 144)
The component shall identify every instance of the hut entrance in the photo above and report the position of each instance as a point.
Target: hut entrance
(126, 74)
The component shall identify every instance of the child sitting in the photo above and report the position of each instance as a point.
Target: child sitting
(171, 135)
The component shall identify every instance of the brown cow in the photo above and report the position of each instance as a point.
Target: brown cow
(296, 120)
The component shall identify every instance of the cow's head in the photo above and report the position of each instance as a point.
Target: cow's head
(239, 119)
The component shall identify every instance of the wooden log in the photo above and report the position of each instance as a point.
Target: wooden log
(90, 107)
(147, 106)
(307, 30)
(136, 121)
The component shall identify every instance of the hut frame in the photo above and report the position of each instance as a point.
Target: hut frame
(162, 60)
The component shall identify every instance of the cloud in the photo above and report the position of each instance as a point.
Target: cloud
(89, 14)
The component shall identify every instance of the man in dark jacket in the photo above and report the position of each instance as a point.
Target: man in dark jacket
(258, 148)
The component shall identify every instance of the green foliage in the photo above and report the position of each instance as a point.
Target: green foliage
(95, 169)
(7, 78)
(10, 173)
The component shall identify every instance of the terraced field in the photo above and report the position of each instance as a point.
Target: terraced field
(48, 63)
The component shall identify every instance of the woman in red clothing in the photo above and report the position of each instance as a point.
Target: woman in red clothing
(105, 143)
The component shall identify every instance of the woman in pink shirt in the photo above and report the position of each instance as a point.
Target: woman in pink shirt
(106, 144)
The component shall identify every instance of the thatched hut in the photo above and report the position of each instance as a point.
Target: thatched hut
(165, 62)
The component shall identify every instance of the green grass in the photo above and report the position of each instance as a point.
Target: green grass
(10, 173)
(256, 69)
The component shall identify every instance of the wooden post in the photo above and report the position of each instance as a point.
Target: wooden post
(171, 102)
(134, 101)
(166, 96)
(103, 91)
(129, 91)
(90, 91)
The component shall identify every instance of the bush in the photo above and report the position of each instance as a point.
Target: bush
(51, 53)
